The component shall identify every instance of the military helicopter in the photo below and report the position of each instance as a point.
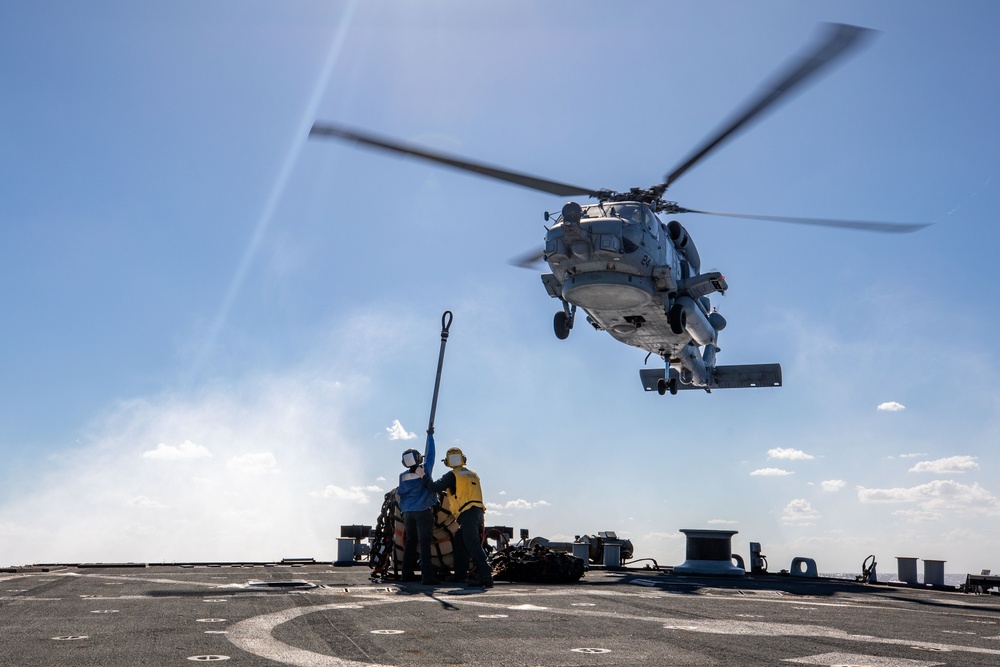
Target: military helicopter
(636, 277)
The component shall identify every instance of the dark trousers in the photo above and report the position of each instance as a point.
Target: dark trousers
(468, 544)
(419, 528)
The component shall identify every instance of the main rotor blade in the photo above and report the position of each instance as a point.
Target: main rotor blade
(525, 180)
(886, 227)
(838, 40)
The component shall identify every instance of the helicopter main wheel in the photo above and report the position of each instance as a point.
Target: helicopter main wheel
(677, 318)
(562, 324)
(663, 386)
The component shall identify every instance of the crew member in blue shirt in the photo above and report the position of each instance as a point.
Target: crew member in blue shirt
(416, 501)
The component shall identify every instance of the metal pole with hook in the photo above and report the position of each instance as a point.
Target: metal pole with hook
(446, 319)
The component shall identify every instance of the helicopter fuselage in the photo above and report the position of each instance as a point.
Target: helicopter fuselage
(638, 279)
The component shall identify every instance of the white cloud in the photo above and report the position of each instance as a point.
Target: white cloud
(185, 451)
(937, 496)
(891, 406)
(145, 503)
(727, 522)
(397, 432)
(833, 485)
(256, 463)
(518, 504)
(355, 494)
(789, 454)
(770, 472)
(947, 466)
(912, 456)
(799, 512)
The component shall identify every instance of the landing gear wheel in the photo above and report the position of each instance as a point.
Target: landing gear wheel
(672, 386)
(562, 324)
(661, 387)
(677, 318)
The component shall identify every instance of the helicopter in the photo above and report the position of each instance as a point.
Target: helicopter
(634, 276)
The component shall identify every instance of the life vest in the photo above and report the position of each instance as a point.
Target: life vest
(414, 495)
(468, 492)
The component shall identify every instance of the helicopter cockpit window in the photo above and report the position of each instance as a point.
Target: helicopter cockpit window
(628, 212)
(595, 211)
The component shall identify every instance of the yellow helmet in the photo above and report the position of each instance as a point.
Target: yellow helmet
(454, 458)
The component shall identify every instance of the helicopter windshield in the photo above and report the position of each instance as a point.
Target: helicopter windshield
(629, 212)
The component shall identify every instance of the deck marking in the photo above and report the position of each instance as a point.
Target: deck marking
(254, 635)
(208, 658)
(857, 660)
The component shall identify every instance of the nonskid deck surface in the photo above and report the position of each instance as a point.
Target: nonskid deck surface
(312, 614)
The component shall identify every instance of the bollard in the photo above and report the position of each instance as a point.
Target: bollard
(709, 552)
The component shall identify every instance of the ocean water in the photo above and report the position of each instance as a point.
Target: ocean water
(949, 579)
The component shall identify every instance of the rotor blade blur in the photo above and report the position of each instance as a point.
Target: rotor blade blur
(885, 227)
(838, 40)
(528, 260)
(525, 180)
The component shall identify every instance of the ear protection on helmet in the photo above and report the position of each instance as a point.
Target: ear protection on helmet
(454, 458)
(412, 457)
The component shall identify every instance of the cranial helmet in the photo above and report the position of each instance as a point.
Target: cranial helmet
(412, 457)
(454, 458)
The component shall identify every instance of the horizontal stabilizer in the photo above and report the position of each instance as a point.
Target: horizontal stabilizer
(722, 377)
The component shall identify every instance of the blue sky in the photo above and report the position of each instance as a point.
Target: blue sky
(220, 335)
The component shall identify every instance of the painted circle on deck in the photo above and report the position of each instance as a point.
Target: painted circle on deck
(591, 650)
(70, 638)
(387, 632)
(208, 658)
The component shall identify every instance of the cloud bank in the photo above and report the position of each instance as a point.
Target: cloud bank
(936, 499)
(245, 471)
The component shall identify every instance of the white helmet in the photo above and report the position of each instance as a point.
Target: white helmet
(411, 458)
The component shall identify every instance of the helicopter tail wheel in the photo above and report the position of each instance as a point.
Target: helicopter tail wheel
(677, 318)
(562, 324)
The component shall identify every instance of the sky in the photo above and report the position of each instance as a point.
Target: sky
(219, 335)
